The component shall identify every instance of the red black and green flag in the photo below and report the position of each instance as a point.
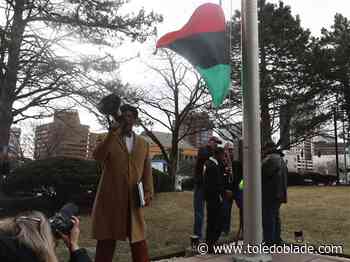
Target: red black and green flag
(202, 41)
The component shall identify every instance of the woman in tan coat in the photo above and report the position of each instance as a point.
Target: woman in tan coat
(116, 213)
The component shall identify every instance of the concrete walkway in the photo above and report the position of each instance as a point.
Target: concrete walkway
(275, 258)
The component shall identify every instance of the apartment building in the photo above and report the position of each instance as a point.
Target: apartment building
(197, 129)
(65, 137)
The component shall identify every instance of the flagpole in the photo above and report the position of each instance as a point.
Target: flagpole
(252, 223)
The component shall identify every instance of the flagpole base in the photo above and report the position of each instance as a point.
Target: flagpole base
(256, 258)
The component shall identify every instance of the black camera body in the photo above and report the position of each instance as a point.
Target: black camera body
(61, 221)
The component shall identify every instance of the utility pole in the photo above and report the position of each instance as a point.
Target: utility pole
(344, 146)
(336, 143)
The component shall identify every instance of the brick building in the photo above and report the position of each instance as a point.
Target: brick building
(65, 137)
(198, 129)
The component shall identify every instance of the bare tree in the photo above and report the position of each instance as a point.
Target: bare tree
(180, 93)
(34, 73)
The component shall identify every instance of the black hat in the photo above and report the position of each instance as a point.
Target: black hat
(270, 146)
(219, 150)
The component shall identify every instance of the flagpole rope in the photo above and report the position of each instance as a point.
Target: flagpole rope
(230, 44)
(229, 40)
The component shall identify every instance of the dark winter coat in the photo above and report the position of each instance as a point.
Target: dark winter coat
(274, 179)
(213, 178)
(237, 174)
(203, 155)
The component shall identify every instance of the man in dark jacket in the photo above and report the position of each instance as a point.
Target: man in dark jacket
(198, 195)
(237, 190)
(274, 192)
(214, 192)
(4, 167)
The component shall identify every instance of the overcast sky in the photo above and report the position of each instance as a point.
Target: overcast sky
(314, 14)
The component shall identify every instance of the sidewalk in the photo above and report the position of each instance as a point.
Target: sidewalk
(275, 258)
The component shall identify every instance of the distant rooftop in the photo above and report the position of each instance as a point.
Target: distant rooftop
(323, 138)
(165, 140)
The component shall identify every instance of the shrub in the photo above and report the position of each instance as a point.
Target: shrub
(187, 183)
(72, 179)
(53, 172)
(162, 182)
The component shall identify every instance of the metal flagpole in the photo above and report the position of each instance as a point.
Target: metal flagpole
(251, 131)
(252, 224)
(251, 124)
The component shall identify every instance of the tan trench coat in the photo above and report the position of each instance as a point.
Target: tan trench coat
(117, 188)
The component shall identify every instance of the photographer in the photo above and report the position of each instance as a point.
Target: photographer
(28, 237)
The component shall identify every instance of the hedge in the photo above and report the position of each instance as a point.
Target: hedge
(67, 176)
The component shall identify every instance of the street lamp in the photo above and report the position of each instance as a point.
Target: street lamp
(344, 147)
(336, 143)
(302, 159)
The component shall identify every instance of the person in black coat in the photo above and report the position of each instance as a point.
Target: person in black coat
(198, 192)
(237, 170)
(214, 193)
(28, 238)
(274, 192)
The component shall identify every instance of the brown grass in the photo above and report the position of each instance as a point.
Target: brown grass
(321, 212)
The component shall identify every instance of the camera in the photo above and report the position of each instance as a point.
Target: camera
(61, 221)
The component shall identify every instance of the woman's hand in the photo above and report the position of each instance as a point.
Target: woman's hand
(71, 240)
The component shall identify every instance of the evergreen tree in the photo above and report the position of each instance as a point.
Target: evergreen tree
(287, 80)
(335, 71)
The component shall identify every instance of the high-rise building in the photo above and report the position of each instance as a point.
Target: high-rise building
(14, 149)
(93, 140)
(197, 129)
(65, 137)
(299, 157)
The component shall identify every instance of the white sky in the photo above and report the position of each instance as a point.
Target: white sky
(314, 14)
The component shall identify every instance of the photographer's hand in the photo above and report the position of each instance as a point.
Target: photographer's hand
(71, 240)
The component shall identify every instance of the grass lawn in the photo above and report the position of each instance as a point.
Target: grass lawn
(322, 213)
